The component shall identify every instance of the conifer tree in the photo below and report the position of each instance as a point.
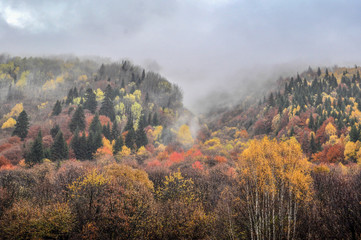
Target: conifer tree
(54, 131)
(115, 132)
(354, 133)
(106, 131)
(79, 146)
(59, 149)
(107, 108)
(21, 126)
(122, 84)
(36, 153)
(70, 97)
(155, 121)
(118, 145)
(141, 136)
(129, 124)
(318, 71)
(313, 145)
(56, 109)
(78, 120)
(311, 123)
(130, 139)
(90, 101)
(95, 125)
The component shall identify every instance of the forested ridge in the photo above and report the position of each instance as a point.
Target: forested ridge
(97, 149)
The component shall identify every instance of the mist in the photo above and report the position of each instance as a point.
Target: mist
(222, 48)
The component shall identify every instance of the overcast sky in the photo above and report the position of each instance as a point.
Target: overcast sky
(200, 44)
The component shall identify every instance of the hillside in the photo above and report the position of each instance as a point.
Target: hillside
(321, 108)
(94, 149)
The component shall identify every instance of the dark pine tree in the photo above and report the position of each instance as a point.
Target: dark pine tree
(21, 126)
(318, 71)
(107, 108)
(130, 139)
(115, 132)
(59, 149)
(106, 132)
(79, 146)
(129, 124)
(90, 101)
(36, 153)
(78, 120)
(118, 145)
(311, 123)
(95, 125)
(56, 109)
(140, 135)
(354, 133)
(54, 131)
(70, 97)
(155, 121)
(101, 72)
(313, 145)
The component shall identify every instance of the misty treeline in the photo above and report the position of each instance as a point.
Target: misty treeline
(102, 150)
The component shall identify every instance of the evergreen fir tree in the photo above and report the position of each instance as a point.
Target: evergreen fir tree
(56, 109)
(107, 108)
(141, 137)
(54, 131)
(70, 97)
(90, 101)
(101, 72)
(313, 146)
(155, 121)
(130, 139)
(36, 153)
(115, 132)
(318, 71)
(109, 92)
(106, 131)
(75, 92)
(95, 125)
(129, 124)
(118, 145)
(78, 120)
(59, 149)
(21, 126)
(311, 123)
(354, 134)
(123, 84)
(150, 119)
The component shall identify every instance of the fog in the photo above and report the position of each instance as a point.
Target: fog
(205, 46)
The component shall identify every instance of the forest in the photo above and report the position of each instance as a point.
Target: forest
(97, 149)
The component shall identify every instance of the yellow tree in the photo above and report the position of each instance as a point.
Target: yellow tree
(184, 136)
(275, 179)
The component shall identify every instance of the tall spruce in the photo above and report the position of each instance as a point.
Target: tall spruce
(78, 120)
(106, 132)
(107, 108)
(90, 101)
(54, 130)
(140, 135)
(21, 126)
(57, 108)
(155, 121)
(59, 149)
(70, 97)
(118, 145)
(354, 134)
(115, 132)
(36, 153)
(130, 139)
(95, 125)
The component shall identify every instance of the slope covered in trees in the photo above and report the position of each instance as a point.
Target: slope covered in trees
(104, 150)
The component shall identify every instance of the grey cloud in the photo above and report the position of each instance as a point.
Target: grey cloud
(203, 45)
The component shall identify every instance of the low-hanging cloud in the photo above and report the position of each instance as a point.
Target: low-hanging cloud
(203, 45)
